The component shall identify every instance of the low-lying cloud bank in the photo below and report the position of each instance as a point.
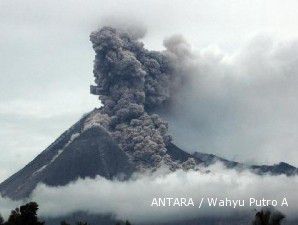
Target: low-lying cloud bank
(132, 199)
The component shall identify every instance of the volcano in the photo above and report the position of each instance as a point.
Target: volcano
(124, 135)
(88, 150)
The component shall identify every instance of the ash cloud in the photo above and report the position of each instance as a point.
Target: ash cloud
(242, 106)
(233, 105)
(124, 199)
(132, 82)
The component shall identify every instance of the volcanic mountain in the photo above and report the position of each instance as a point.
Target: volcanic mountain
(88, 150)
(125, 134)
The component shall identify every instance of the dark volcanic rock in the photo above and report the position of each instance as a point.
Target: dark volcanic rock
(92, 153)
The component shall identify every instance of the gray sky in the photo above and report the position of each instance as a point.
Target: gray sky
(46, 58)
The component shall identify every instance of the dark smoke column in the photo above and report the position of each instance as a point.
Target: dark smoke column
(131, 83)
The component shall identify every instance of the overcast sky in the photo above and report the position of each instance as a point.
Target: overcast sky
(46, 59)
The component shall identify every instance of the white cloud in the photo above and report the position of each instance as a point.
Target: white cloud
(132, 199)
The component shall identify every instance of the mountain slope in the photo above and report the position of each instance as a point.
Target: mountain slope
(76, 153)
(84, 150)
(88, 150)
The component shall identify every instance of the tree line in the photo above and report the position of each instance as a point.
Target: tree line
(27, 215)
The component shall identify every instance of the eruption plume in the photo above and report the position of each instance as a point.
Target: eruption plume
(131, 83)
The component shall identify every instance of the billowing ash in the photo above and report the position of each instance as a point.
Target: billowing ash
(132, 83)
